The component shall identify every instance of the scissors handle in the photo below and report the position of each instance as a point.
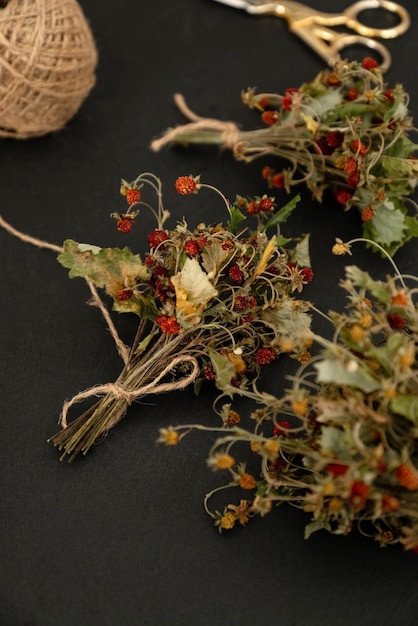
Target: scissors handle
(345, 41)
(328, 44)
(352, 14)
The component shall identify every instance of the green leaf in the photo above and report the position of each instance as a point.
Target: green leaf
(143, 345)
(236, 218)
(406, 406)
(282, 241)
(282, 215)
(388, 224)
(333, 371)
(313, 527)
(301, 253)
(109, 268)
(350, 110)
(287, 319)
(197, 385)
(399, 167)
(336, 441)
(403, 147)
(411, 227)
(361, 278)
(387, 353)
(140, 305)
(224, 372)
(214, 257)
(325, 102)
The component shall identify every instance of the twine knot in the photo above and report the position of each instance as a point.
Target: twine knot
(120, 393)
(229, 131)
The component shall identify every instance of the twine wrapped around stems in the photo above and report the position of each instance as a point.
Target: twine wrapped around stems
(137, 380)
(47, 63)
(119, 392)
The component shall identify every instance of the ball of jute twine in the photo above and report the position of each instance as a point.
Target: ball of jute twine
(47, 63)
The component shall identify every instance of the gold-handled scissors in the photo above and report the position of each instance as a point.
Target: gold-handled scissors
(313, 27)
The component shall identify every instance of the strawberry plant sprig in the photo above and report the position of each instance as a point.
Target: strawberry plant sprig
(345, 131)
(341, 443)
(215, 302)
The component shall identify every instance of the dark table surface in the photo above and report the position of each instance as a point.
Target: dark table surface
(120, 537)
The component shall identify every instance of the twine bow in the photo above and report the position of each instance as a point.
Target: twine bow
(130, 395)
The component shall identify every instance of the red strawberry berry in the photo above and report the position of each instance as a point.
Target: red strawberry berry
(124, 224)
(278, 181)
(352, 94)
(124, 294)
(235, 274)
(169, 325)
(150, 261)
(367, 214)
(389, 95)
(185, 185)
(191, 247)
(156, 237)
(203, 241)
(350, 165)
(354, 179)
(335, 138)
(359, 494)
(333, 80)
(336, 469)
(407, 476)
(263, 103)
(323, 146)
(264, 356)
(358, 146)
(208, 372)
(240, 303)
(343, 196)
(396, 321)
(390, 503)
(267, 172)
(133, 196)
(369, 63)
(269, 117)
(277, 466)
(266, 204)
(228, 244)
(287, 103)
(282, 428)
(253, 208)
(307, 274)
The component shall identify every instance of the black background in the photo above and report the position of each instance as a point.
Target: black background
(120, 537)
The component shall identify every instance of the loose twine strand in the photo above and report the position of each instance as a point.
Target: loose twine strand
(129, 396)
(117, 391)
(47, 63)
(230, 133)
(97, 301)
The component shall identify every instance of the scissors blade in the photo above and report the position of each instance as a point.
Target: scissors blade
(236, 4)
(254, 7)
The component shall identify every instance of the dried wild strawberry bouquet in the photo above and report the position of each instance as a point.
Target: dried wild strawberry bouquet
(345, 131)
(214, 302)
(342, 442)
